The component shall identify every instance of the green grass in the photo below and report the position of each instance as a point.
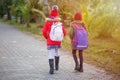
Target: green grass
(104, 53)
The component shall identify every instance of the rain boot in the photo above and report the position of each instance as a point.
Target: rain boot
(56, 62)
(51, 64)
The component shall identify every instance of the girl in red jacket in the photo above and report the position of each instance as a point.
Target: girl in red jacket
(52, 46)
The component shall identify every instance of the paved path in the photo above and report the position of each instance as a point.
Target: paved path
(23, 57)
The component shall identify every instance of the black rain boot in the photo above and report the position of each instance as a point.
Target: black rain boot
(75, 59)
(56, 62)
(51, 64)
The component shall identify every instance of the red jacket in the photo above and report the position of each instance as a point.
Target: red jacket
(46, 30)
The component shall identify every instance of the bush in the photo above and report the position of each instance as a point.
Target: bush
(103, 20)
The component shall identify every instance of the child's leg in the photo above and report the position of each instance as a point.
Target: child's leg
(57, 53)
(75, 59)
(51, 53)
(57, 57)
(81, 60)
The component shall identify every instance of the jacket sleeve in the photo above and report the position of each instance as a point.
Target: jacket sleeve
(44, 30)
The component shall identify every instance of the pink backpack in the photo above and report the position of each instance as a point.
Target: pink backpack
(80, 40)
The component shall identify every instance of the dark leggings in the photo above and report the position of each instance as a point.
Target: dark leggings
(80, 57)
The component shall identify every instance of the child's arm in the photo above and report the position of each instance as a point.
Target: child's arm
(71, 31)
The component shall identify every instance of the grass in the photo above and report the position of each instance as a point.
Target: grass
(104, 53)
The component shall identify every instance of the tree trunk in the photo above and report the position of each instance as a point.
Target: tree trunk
(28, 25)
(8, 14)
(21, 20)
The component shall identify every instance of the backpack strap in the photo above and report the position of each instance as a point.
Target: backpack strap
(76, 25)
(57, 23)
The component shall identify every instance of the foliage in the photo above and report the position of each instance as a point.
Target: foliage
(16, 8)
(26, 13)
(104, 15)
(40, 12)
(2, 8)
(102, 19)
(5, 6)
(36, 6)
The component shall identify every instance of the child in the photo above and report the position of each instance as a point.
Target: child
(52, 46)
(79, 22)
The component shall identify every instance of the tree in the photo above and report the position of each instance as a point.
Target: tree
(2, 8)
(26, 10)
(38, 8)
(16, 9)
(5, 7)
